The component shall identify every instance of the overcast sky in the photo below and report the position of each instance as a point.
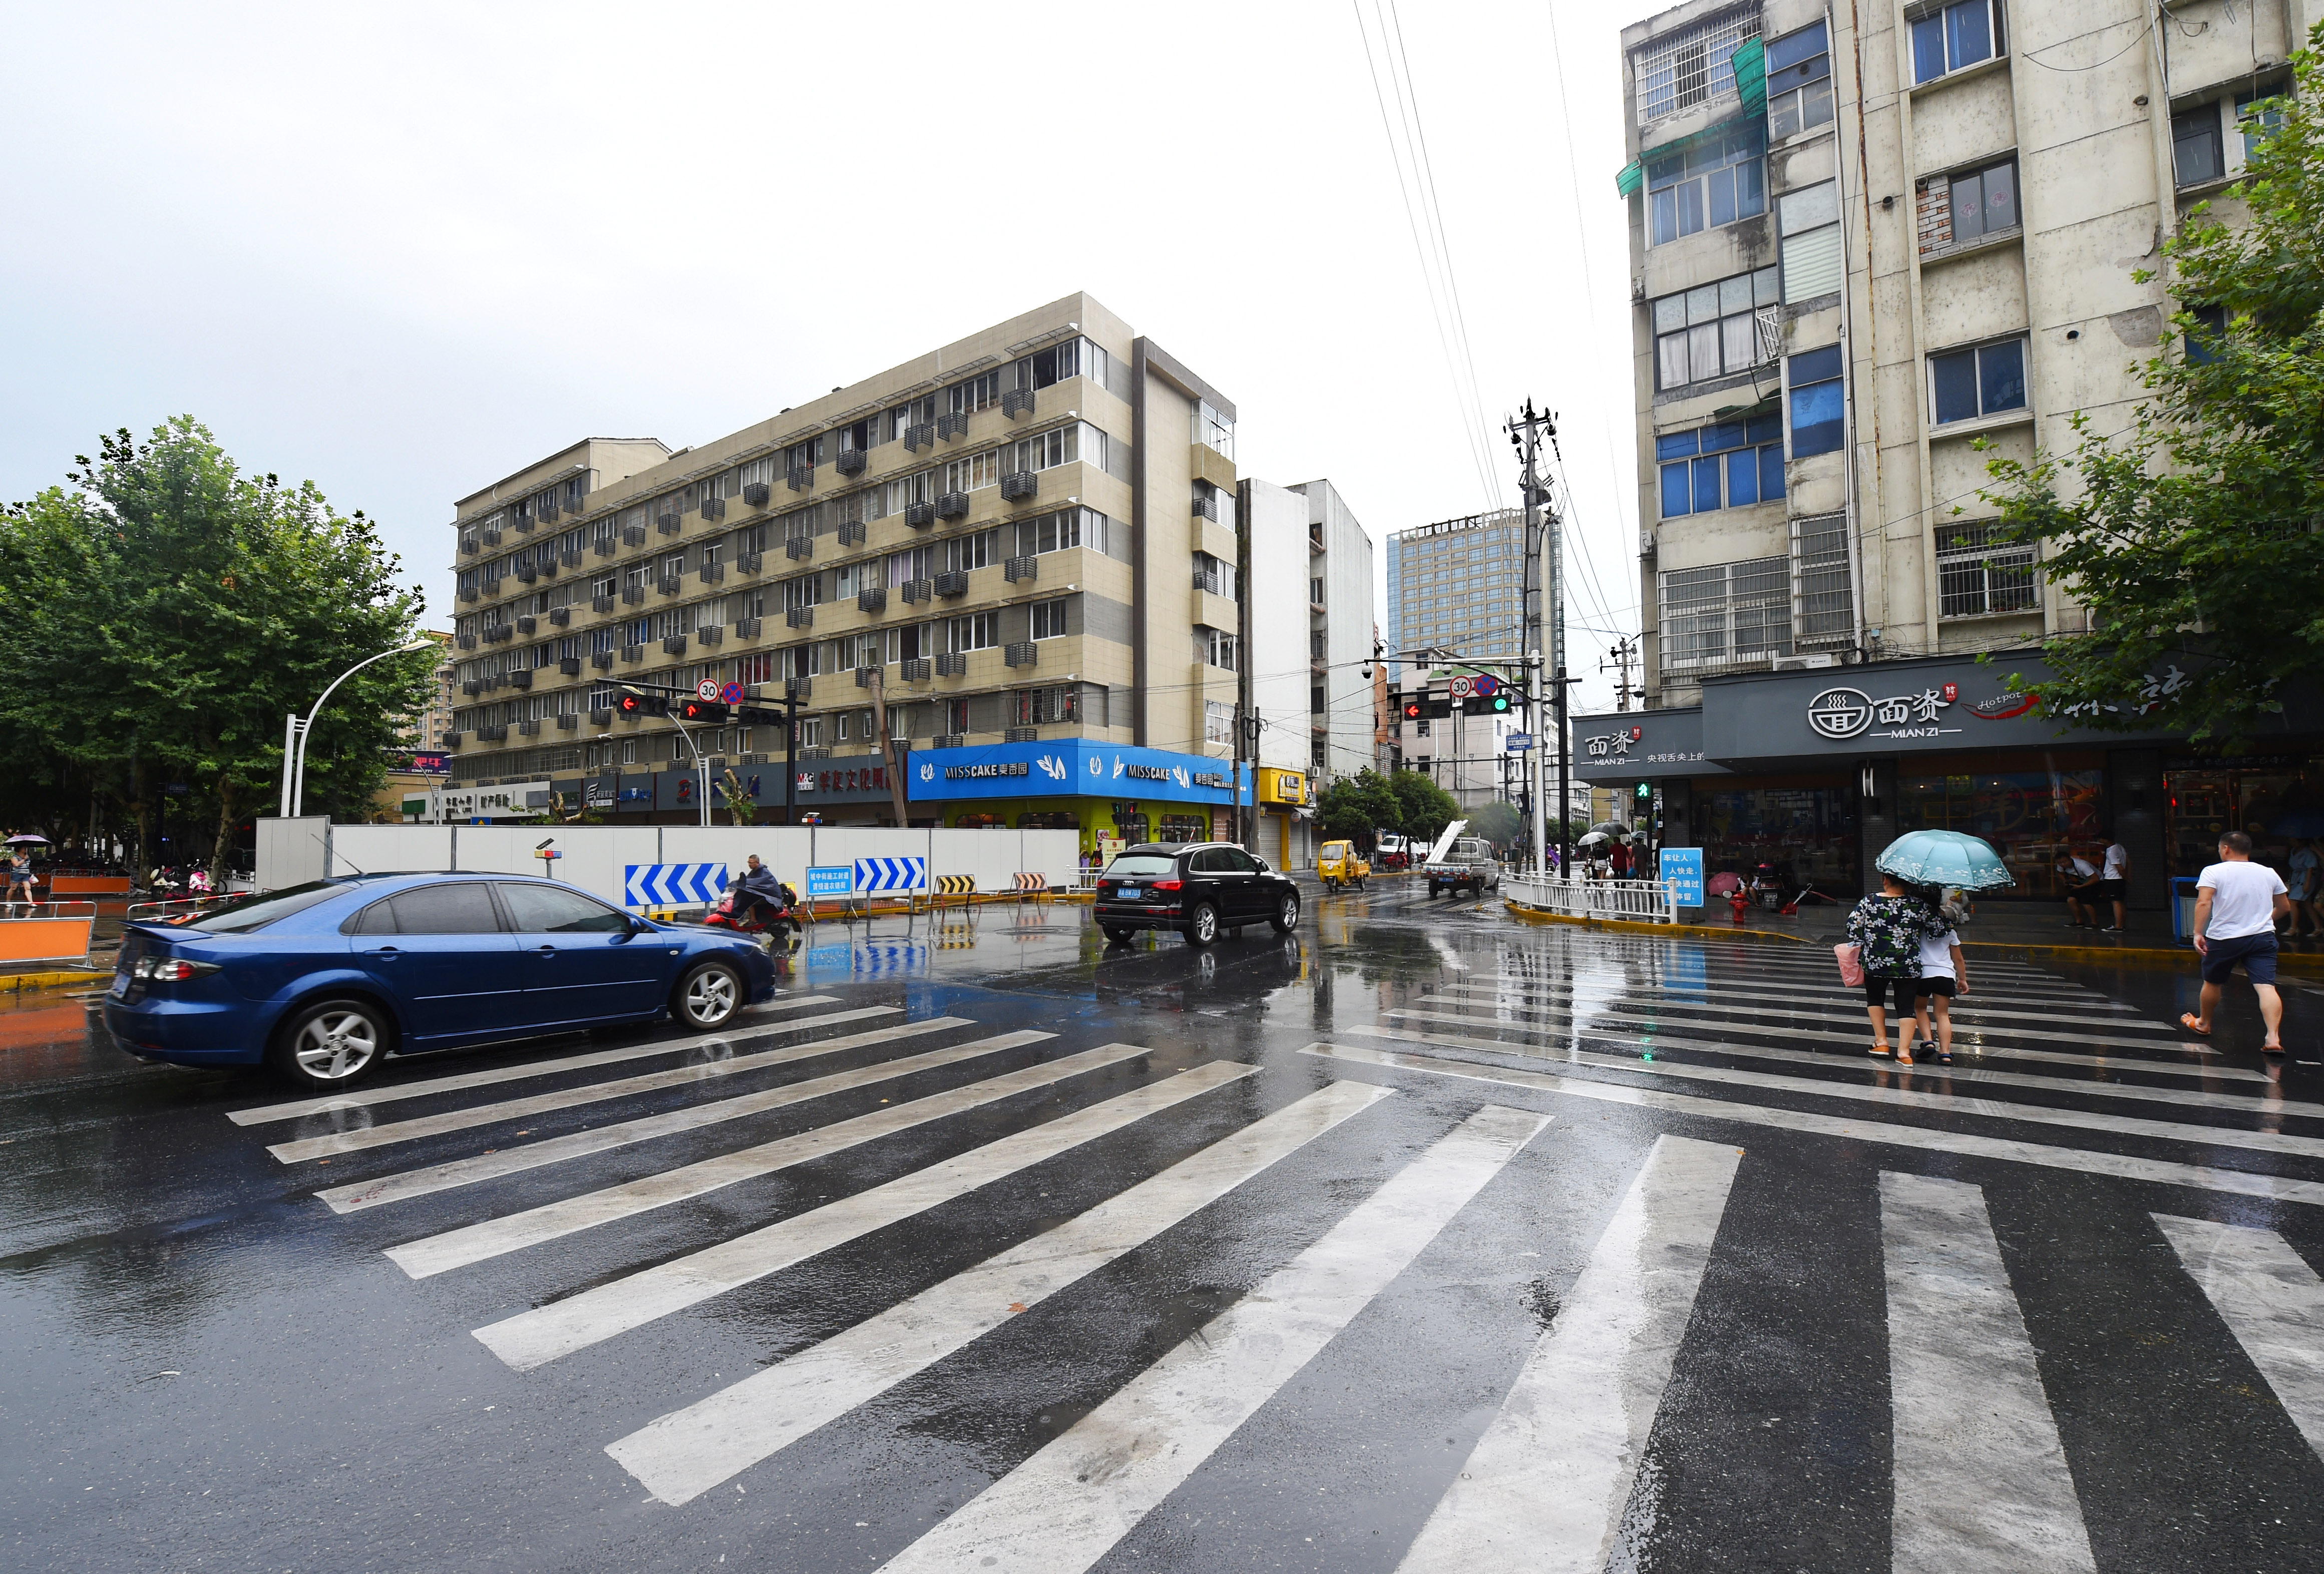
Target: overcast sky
(404, 251)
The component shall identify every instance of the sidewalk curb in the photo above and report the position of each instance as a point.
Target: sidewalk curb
(17, 983)
(1633, 925)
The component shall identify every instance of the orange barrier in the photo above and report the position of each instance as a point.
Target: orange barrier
(88, 885)
(45, 939)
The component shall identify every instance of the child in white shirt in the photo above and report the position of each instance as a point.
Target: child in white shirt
(1944, 974)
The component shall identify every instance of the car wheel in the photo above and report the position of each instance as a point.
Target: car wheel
(1286, 914)
(1202, 925)
(1117, 936)
(709, 996)
(333, 1043)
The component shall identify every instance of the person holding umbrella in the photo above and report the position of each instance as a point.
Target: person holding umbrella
(19, 867)
(1891, 929)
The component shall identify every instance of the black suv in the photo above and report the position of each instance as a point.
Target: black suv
(1196, 887)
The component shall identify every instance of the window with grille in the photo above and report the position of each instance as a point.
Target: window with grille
(1726, 614)
(1039, 707)
(1976, 575)
(1683, 69)
(1823, 602)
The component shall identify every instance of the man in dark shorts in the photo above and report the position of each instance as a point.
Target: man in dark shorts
(2238, 906)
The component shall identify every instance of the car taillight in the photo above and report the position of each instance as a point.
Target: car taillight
(170, 969)
(1165, 885)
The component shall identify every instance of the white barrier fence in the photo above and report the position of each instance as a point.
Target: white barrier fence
(1639, 901)
(596, 858)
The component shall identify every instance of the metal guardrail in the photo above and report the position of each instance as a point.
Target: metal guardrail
(48, 910)
(177, 908)
(1638, 901)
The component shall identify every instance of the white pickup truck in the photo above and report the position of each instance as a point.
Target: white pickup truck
(1458, 862)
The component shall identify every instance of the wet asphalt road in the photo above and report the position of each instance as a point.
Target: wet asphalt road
(1420, 1238)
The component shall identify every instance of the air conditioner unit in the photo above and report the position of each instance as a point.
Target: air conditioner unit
(1805, 663)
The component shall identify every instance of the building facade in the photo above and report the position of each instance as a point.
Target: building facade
(1872, 249)
(1459, 585)
(1026, 537)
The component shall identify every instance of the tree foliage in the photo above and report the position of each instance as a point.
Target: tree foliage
(1499, 823)
(2192, 533)
(160, 619)
(1356, 807)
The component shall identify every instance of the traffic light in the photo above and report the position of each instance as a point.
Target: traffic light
(1412, 710)
(708, 712)
(1499, 702)
(639, 704)
(1645, 791)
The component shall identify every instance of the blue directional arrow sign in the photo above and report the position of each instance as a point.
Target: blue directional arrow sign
(673, 885)
(892, 874)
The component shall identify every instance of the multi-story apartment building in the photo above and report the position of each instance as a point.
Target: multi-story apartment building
(1872, 247)
(1019, 538)
(1459, 585)
(1310, 681)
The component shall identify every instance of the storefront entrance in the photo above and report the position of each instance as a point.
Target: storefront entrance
(1801, 827)
(2034, 809)
(2277, 799)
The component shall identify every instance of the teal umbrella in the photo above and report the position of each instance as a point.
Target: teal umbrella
(1944, 858)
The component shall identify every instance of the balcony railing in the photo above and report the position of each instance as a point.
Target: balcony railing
(952, 505)
(603, 660)
(713, 507)
(951, 664)
(1206, 508)
(919, 515)
(953, 583)
(757, 493)
(799, 477)
(800, 617)
(871, 598)
(917, 591)
(674, 646)
(918, 435)
(851, 461)
(799, 548)
(1018, 485)
(1021, 570)
(1017, 404)
(571, 666)
(1023, 653)
(747, 627)
(1208, 579)
(916, 669)
(852, 533)
(1020, 735)
(955, 425)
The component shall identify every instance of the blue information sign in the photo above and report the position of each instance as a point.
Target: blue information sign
(1518, 742)
(836, 881)
(1683, 872)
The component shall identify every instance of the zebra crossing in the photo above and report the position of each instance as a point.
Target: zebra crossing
(1426, 1106)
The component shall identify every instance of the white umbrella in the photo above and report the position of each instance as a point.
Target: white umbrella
(1593, 839)
(27, 838)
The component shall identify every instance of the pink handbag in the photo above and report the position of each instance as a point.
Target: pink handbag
(1851, 965)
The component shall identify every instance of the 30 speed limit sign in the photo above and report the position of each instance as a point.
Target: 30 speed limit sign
(707, 689)
(1461, 688)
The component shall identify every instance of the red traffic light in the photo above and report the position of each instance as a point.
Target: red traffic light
(1412, 710)
(638, 704)
(704, 711)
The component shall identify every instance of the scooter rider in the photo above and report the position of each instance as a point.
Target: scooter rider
(758, 888)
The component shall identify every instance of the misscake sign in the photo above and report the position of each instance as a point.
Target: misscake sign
(1069, 766)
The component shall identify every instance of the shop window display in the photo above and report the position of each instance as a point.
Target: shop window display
(1185, 828)
(2278, 800)
(1805, 832)
(2032, 818)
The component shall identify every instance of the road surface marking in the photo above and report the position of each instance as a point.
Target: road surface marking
(1980, 1479)
(2121, 1166)
(533, 1338)
(1547, 1483)
(1967, 1011)
(2275, 1142)
(552, 1221)
(396, 1091)
(684, 1453)
(596, 1093)
(1065, 1507)
(494, 1163)
(2270, 1300)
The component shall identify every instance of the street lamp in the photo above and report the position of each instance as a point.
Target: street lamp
(296, 730)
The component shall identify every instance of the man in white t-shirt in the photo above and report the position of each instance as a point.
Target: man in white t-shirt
(2113, 884)
(2238, 906)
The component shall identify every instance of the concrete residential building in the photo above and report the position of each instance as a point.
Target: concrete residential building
(1862, 242)
(1026, 537)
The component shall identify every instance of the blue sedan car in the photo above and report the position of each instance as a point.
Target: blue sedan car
(325, 980)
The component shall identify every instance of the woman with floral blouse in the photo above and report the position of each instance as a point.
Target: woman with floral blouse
(1886, 931)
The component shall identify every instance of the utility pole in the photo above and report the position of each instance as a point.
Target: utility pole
(1622, 656)
(1544, 601)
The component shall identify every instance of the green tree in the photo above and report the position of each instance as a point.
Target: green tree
(158, 622)
(1356, 808)
(1424, 808)
(1499, 823)
(2192, 534)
